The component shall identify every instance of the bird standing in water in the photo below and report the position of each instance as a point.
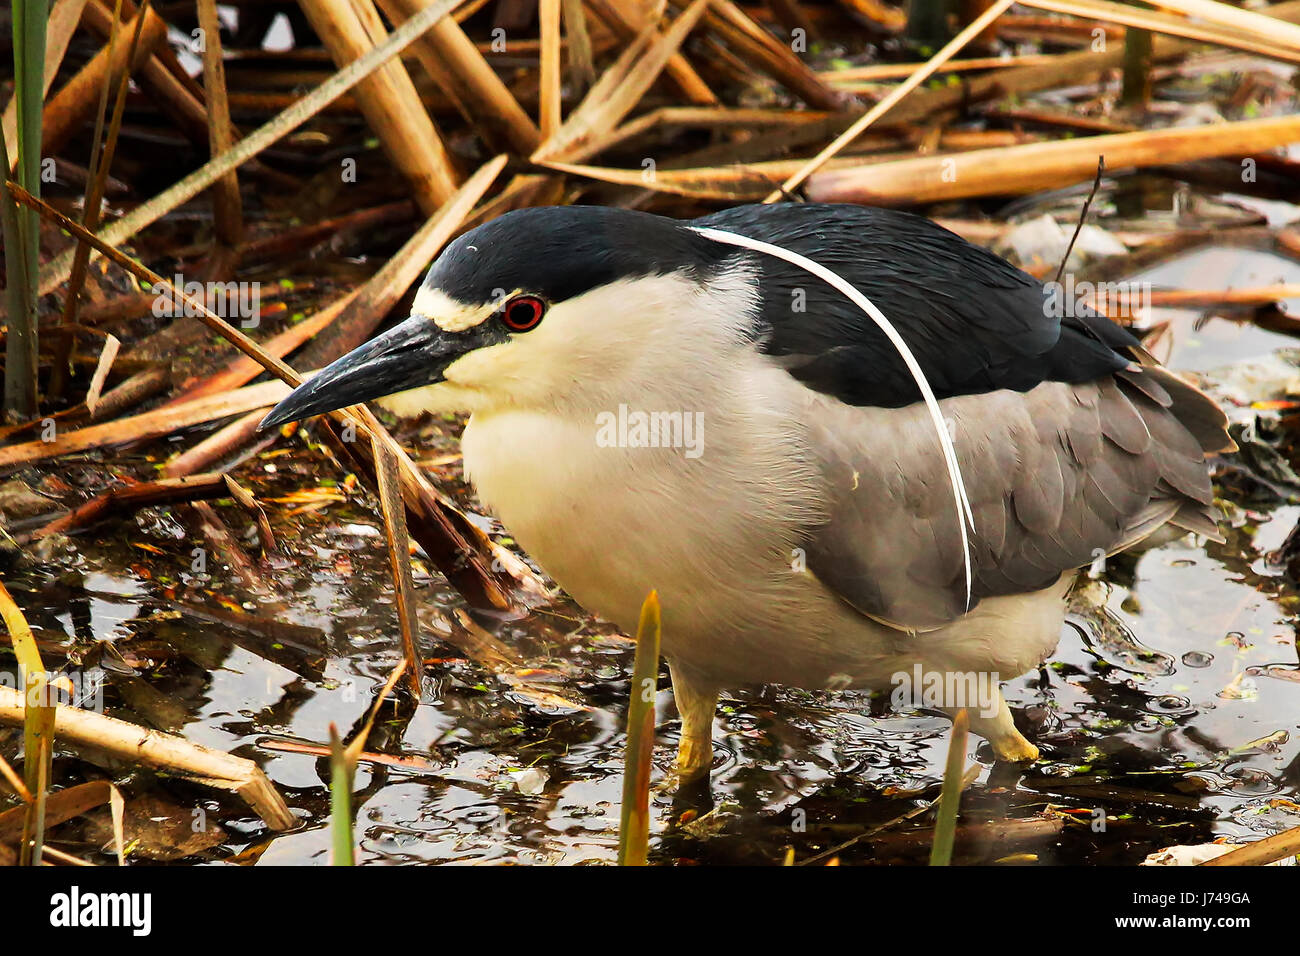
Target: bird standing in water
(651, 408)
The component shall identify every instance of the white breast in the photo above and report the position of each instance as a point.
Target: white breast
(611, 523)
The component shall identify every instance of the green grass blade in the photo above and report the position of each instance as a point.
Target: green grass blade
(20, 303)
(29, 20)
(945, 826)
(38, 725)
(342, 769)
(634, 821)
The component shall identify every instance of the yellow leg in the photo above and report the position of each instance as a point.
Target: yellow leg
(999, 730)
(696, 702)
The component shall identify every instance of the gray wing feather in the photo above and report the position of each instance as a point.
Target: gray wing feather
(1054, 475)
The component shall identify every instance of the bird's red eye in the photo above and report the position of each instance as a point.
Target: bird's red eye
(522, 313)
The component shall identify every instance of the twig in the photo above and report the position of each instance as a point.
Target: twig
(969, 778)
(137, 495)
(399, 557)
(1083, 216)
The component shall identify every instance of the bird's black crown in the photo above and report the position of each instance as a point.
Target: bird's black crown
(559, 252)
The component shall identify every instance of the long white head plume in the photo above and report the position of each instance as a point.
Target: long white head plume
(962, 503)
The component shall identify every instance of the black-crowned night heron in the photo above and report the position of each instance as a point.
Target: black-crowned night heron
(655, 407)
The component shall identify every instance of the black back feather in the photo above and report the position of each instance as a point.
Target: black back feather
(975, 322)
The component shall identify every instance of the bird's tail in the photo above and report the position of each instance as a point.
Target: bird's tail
(1196, 411)
(1201, 418)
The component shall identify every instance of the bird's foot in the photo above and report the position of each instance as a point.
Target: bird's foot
(696, 703)
(691, 771)
(999, 729)
(694, 758)
(1013, 748)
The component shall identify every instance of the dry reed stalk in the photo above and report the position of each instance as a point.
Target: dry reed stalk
(231, 441)
(628, 25)
(63, 805)
(182, 101)
(100, 376)
(101, 160)
(526, 189)
(789, 14)
(891, 19)
(75, 101)
(1261, 852)
(1170, 25)
(745, 182)
(1262, 26)
(879, 72)
(973, 29)
(152, 424)
(708, 117)
(468, 79)
(399, 558)
(138, 746)
(244, 498)
(166, 57)
(350, 29)
(241, 370)
(582, 63)
(1016, 170)
(765, 52)
(619, 89)
(227, 208)
(1210, 298)
(548, 111)
(1083, 67)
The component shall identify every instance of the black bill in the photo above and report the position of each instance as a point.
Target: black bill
(409, 355)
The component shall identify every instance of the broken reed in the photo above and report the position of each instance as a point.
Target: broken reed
(343, 771)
